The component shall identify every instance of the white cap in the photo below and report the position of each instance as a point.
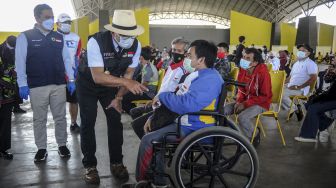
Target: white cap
(63, 18)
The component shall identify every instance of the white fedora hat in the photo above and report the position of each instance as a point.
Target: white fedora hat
(124, 23)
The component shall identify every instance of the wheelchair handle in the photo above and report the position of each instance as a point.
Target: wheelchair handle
(233, 82)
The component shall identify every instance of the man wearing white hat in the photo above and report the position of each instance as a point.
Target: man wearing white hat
(106, 76)
(73, 44)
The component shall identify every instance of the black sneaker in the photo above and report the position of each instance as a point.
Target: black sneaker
(63, 152)
(256, 140)
(41, 155)
(18, 111)
(91, 176)
(74, 127)
(6, 155)
(299, 112)
(120, 172)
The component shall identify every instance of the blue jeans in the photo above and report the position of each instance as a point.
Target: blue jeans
(316, 119)
(145, 153)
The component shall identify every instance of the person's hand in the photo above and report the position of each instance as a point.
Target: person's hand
(116, 104)
(156, 102)
(147, 127)
(135, 87)
(24, 92)
(238, 107)
(71, 87)
(295, 87)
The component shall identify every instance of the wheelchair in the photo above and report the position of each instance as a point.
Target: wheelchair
(216, 156)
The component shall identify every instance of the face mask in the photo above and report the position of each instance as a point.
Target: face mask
(125, 42)
(187, 65)
(177, 57)
(220, 55)
(65, 28)
(244, 64)
(300, 55)
(48, 24)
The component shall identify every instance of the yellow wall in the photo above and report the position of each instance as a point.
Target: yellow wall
(334, 41)
(325, 35)
(94, 27)
(256, 31)
(4, 35)
(142, 18)
(81, 27)
(287, 36)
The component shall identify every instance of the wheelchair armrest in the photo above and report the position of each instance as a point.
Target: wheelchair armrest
(205, 113)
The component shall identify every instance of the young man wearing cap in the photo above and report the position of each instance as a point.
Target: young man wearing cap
(41, 61)
(112, 57)
(304, 72)
(73, 44)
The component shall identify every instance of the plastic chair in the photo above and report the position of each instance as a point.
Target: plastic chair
(278, 80)
(299, 98)
(142, 102)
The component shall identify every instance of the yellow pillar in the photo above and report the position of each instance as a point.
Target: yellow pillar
(81, 27)
(142, 18)
(94, 27)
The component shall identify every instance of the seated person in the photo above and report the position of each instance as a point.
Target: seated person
(170, 81)
(149, 78)
(304, 72)
(275, 61)
(194, 95)
(323, 73)
(222, 64)
(256, 96)
(319, 58)
(315, 119)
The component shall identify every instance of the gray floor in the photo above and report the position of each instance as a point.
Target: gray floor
(297, 165)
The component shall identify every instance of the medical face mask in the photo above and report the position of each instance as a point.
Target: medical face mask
(300, 54)
(244, 64)
(65, 28)
(48, 24)
(126, 42)
(187, 65)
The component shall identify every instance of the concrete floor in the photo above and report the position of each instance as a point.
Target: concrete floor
(305, 165)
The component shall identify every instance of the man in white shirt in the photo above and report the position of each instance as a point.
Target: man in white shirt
(304, 72)
(275, 61)
(106, 76)
(73, 44)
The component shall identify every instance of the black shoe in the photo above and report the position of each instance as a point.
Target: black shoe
(6, 155)
(63, 152)
(91, 176)
(120, 172)
(74, 127)
(18, 111)
(256, 140)
(299, 113)
(41, 155)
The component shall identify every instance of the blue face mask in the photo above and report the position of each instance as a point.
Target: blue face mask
(300, 54)
(48, 24)
(244, 64)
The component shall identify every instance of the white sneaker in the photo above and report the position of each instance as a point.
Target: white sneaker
(324, 136)
(301, 139)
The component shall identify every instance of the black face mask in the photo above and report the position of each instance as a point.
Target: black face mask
(177, 57)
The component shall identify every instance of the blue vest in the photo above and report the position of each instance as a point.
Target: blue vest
(44, 62)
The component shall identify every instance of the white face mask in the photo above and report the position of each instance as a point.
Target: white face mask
(48, 24)
(126, 42)
(187, 65)
(65, 28)
(301, 55)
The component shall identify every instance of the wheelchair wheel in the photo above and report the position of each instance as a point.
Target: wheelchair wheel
(215, 157)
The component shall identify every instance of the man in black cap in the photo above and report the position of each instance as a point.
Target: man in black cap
(304, 72)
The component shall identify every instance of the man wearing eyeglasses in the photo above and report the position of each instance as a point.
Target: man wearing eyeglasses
(73, 44)
(106, 76)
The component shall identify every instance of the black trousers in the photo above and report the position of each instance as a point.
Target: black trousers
(87, 99)
(5, 126)
(140, 115)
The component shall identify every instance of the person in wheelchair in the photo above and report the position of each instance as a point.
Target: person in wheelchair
(256, 96)
(193, 95)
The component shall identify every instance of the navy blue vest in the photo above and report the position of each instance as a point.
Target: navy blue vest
(44, 63)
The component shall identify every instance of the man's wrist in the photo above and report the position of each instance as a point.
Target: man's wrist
(120, 98)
